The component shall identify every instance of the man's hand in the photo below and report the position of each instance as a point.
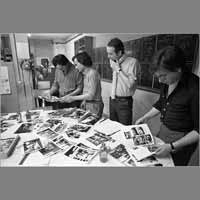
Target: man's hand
(141, 120)
(67, 99)
(116, 66)
(163, 150)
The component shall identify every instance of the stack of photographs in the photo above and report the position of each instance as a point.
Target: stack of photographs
(24, 128)
(51, 99)
(140, 134)
(7, 146)
(121, 154)
(82, 153)
(61, 113)
(99, 138)
(48, 133)
(32, 146)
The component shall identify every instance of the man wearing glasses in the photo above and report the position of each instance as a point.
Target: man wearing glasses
(178, 105)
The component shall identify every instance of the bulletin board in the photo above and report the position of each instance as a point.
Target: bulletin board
(4, 81)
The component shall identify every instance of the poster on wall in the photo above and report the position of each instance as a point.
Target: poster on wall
(4, 81)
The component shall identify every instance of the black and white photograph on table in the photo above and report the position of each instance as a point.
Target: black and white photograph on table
(99, 138)
(50, 149)
(48, 133)
(24, 128)
(120, 153)
(80, 127)
(62, 142)
(81, 154)
(32, 146)
(71, 133)
(61, 127)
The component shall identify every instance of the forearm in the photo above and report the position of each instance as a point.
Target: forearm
(191, 138)
(152, 113)
(77, 91)
(86, 96)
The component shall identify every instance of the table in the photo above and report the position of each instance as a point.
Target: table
(58, 160)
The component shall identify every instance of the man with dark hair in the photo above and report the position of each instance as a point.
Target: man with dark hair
(91, 97)
(68, 81)
(178, 105)
(123, 82)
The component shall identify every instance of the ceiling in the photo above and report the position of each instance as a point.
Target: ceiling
(52, 36)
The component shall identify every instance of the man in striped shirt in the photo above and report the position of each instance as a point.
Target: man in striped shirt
(68, 81)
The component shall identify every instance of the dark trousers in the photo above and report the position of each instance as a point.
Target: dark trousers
(121, 110)
(181, 157)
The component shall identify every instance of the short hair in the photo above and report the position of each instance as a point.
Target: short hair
(60, 59)
(170, 58)
(117, 44)
(83, 58)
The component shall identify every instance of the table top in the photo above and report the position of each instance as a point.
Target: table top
(60, 159)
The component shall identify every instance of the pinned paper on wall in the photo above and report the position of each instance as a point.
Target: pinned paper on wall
(4, 81)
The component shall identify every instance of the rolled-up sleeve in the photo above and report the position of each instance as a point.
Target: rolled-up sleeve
(158, 104)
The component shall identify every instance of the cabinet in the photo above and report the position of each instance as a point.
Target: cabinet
(84, 44)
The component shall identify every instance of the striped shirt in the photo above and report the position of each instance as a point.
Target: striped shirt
(69, 82)
(92, 85)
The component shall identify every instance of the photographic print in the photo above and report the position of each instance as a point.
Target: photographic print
(7, 146)
(50, 149)
(63, 143)
(143, 140)
(50, 123)
(48, 133)
(77, 114)
(120, 153)
(81, 154)
(24, 128)
(90, 120)
(80, 127)
(61, 112)
(60, 128)
(32, 146)
(72, 133)
(99, 138)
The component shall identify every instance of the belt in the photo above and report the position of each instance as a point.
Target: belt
(123, 97)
